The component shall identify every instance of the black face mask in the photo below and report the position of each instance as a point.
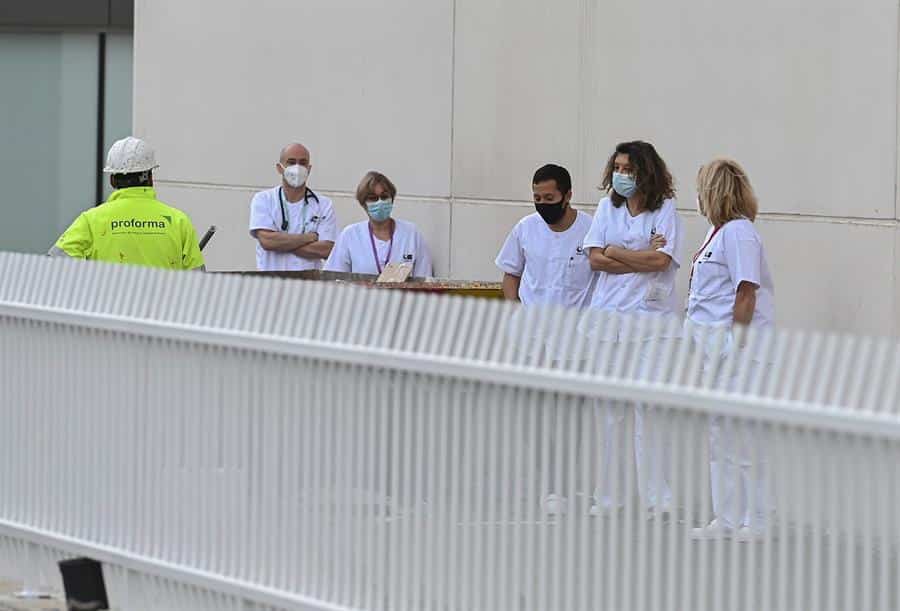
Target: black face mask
(551, 213)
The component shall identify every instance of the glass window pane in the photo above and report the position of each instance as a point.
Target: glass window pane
(47, 135)
(119, 62)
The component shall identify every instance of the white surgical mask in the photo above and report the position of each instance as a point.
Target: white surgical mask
(296, 175)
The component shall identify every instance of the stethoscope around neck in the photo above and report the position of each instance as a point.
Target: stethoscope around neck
(284, 219)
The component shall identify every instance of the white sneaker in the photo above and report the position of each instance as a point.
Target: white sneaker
(555, 505)
(713, 530)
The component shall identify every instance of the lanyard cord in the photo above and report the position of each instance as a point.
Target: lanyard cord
(697, 255)
(375, 251)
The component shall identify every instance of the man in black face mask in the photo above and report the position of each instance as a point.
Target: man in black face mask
(544, 265)
(542, 260)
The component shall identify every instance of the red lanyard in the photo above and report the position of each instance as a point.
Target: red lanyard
(375, 251)
(697, 255)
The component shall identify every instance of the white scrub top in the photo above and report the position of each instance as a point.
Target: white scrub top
(734, 255)
(353, 250)
(553, 265)
(303, 216)
(650, 292)
(639, 293)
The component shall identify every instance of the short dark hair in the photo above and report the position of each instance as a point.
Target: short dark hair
(652, 176)
(556, 173)
(135, 179)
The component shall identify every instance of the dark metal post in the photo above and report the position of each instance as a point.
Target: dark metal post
(101, 116)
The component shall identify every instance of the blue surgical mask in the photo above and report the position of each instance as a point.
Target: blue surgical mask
(380, 210)
(624, 184)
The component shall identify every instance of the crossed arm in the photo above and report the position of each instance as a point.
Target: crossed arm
(280, 241)
(320, 249)
(306, 245)
(600, 262)
(619, 260)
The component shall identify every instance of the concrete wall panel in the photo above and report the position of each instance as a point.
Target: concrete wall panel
(821, 286)
(224, 85)
(517, 94)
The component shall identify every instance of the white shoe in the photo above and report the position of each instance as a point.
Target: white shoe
(555, 505)
(713, 530)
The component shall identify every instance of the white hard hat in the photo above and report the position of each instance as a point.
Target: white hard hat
(129, 156)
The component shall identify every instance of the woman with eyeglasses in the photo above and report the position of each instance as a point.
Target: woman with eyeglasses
(368, 246)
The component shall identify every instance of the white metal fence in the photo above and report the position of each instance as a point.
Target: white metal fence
(228, 442)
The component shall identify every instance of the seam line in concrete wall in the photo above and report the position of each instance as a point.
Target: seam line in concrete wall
(897, 114)
(452, 134)
(581, 141)
(199, 186)
(589, 207)
(807, 218)
(895, 324)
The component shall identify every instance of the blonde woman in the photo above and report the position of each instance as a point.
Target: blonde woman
(731, 290)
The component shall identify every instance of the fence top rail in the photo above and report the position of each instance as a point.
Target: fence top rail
(782, 375)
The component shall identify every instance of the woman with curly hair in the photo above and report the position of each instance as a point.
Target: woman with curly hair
(634, 244)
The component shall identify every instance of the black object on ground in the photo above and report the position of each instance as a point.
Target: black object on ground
(83, 581)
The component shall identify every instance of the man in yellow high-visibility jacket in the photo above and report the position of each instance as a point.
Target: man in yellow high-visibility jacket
(132, 226)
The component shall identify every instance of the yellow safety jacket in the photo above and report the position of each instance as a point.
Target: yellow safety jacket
(132, 226)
